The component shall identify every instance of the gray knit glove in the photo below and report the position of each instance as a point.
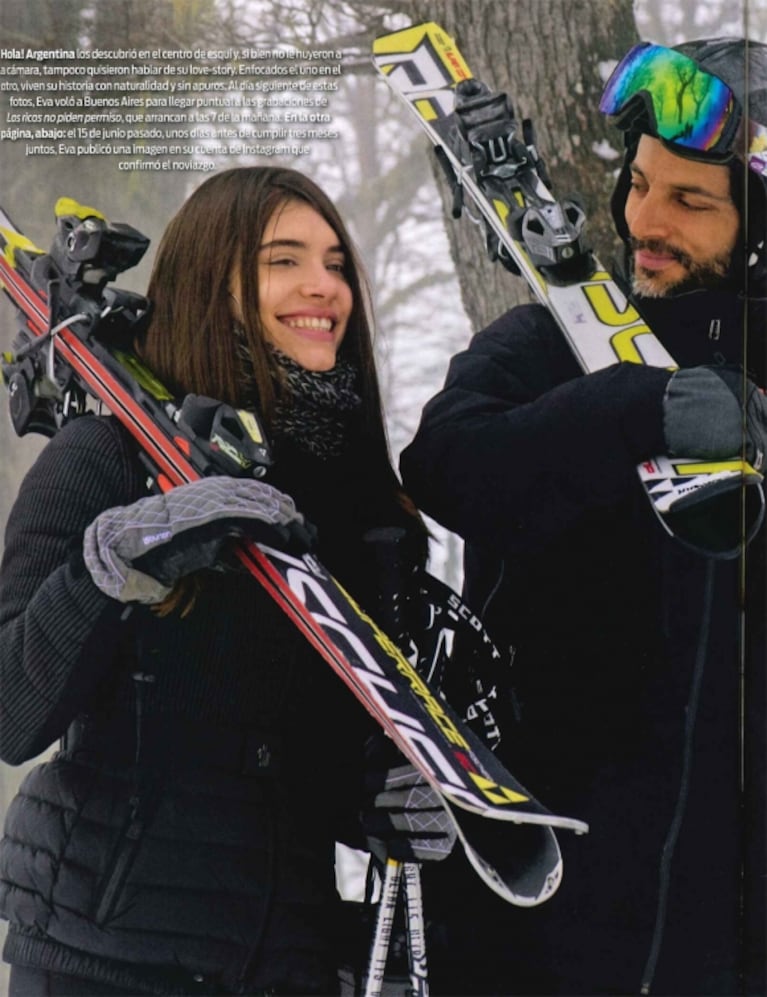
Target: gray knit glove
(136, 553)
(403, 817)
(715, 413)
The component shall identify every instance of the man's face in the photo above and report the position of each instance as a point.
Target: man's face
(682, 220)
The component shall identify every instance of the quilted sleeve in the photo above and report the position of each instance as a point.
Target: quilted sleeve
(57, 630)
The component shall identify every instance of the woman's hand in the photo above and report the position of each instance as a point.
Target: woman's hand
(136, 553)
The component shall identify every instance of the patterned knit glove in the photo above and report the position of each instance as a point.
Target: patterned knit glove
(405, 819)
(136, 553)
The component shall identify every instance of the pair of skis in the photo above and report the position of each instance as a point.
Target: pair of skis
(72, 345)
(490, 157)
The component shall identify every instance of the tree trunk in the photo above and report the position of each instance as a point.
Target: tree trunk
(550, 56)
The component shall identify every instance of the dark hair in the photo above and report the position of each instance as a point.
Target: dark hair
(189, 342)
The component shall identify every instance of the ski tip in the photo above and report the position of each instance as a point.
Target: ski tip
(440, 52)
(529, 812)
(526, 871)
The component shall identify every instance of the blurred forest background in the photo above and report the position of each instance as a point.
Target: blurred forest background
(433, 285)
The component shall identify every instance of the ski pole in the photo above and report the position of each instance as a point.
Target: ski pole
(399, 876)
(416, 930)
(379, 949)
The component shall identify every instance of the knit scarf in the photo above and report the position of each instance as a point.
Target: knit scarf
(314, 407)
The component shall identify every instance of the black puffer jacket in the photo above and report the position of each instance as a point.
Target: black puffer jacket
(183, 840)
(632, 665)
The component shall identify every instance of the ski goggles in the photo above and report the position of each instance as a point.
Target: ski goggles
(685, 105)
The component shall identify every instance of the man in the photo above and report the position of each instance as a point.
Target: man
(636, 698)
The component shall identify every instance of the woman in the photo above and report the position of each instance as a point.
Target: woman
(182, 841)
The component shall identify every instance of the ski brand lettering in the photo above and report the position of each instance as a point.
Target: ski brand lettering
(419, 73)
(330, 617)
(608, 302)
(612, 309)
(464, 612)
(460, 69)
(368, 670)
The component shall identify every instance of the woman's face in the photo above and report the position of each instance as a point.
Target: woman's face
(304, 298)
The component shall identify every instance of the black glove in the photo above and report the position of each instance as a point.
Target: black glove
(136, 553)
(404, 818)
(715, 413)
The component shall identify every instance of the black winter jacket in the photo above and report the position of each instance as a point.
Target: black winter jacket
(182, 841)
(632, 665)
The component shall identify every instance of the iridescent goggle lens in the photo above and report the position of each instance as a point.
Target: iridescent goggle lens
(687, 106)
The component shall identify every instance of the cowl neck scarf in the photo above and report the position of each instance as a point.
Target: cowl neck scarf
(314, 407)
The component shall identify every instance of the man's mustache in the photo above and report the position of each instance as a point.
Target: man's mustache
(662, 248)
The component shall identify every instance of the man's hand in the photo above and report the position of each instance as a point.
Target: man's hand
(715, 413)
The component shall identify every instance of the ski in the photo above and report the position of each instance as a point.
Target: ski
(491, 157)
(73, 345)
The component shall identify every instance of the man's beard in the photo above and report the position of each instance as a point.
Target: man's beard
(709, 274)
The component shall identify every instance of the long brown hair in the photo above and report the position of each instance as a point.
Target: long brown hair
(189, 342)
